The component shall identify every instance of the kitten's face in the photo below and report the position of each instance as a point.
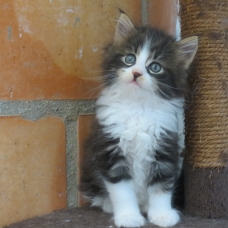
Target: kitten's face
(144, 68)
(139, 69)
(147, 59)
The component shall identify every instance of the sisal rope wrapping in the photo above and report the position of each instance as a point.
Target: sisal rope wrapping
(207, 116)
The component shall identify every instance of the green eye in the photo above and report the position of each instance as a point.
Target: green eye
(130, 59)
(154, 68)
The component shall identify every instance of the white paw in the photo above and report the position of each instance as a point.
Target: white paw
(164, 218)
(129, 220)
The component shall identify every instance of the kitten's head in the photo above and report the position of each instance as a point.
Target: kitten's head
(147, 59)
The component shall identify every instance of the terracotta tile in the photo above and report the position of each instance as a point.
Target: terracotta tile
(32, 168)
(84, 128)
(51, 49)
(163, 14)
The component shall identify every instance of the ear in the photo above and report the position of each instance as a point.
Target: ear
(187, 49)
(124, 26)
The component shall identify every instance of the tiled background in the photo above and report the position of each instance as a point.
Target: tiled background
(32, 167)
(49, 71)
(51, 49)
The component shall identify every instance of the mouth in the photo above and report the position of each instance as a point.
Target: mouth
(134, 82)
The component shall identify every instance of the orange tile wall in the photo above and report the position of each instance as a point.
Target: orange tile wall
(51, 49)
(32, 167)
(163, 14)
(50, 52)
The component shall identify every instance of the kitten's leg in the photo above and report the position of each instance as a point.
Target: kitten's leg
(125, 205)
(160, 210)
(162, 177)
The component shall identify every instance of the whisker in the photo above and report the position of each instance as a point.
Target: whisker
(163, 93)
(168, 86)
(166, 46)
(110, 73)
(92, 91)
(112, 80)
(96, 78)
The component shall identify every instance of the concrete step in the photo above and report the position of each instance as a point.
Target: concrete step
(95, 218)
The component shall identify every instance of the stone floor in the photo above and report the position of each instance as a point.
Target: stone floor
(94, 218)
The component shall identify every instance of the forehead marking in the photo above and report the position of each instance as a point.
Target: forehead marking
(144, 55)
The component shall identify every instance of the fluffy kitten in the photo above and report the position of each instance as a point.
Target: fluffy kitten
(132, 158)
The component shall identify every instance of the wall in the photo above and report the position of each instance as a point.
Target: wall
(49, 71)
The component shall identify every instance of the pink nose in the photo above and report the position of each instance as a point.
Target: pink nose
(136, 74)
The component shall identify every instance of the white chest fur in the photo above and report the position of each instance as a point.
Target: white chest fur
(139, 123)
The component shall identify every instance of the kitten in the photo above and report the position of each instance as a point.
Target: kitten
(133, 157)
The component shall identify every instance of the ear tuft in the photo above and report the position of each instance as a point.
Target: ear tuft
(187, 49)
(124, 26)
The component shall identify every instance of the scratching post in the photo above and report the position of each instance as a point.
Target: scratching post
(206, 171)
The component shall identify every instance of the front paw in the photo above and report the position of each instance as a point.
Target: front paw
(129, 220)
(165, 218)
